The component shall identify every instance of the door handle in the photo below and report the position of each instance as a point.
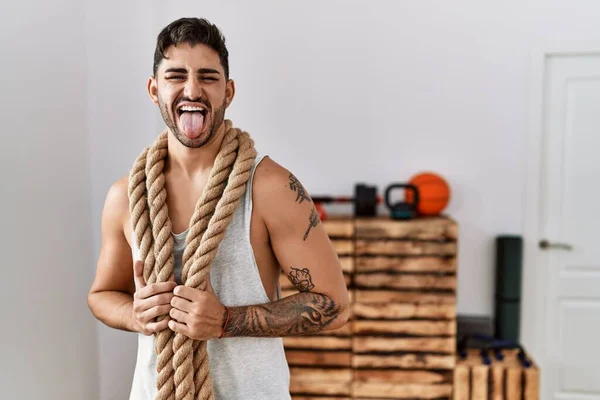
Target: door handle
(547, 245)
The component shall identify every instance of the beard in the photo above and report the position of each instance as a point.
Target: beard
(212, 120)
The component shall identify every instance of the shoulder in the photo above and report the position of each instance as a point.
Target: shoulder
(270, 175)
(271, 179)
(117, 195)
(276, 189)
(116, 204)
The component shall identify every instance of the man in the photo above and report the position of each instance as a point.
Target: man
(275, 228)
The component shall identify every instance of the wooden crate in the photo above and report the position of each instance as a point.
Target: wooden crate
(323, 382)
(400, 341)
(404, 332)
(504, 379)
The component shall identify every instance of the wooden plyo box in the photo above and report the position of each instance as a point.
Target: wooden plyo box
(400, 340)
(505, 379)
(404, 328)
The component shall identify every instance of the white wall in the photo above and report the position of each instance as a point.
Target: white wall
(120, 45)
(48, 335)
(348, 91)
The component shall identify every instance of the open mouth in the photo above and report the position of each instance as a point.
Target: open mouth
(191, 109)
(191, 120)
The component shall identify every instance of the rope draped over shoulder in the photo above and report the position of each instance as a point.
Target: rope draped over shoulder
(182, 363)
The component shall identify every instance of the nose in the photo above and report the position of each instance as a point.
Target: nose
(192, 89)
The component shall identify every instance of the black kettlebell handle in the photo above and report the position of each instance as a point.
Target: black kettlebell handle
(406, 186)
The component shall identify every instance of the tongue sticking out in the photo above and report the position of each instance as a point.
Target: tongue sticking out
(192, 123)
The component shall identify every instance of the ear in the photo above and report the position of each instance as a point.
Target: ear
(153, 89)
(229, 92)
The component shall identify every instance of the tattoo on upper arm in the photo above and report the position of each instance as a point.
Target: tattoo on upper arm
(301, 195)
(298, 314)
(313, 220)
(297, 187)
(301, 279)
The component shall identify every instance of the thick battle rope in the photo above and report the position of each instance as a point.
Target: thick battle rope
(182, 363)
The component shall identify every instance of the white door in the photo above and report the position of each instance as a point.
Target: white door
(569, 229)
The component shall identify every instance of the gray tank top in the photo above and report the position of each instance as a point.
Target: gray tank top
(242, 368)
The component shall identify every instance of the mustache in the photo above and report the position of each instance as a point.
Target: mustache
(200, 100)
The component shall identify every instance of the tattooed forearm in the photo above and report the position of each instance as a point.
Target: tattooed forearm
(301, 279)
(297, 187)
(313, 220)
(298, 314)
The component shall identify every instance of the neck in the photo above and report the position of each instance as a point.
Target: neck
(193, 161)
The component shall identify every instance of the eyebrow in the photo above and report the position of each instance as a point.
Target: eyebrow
(184, 71)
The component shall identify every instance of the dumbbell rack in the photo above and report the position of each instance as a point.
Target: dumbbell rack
(400, 340)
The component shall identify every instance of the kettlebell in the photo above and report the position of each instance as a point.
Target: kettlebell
(402, 209)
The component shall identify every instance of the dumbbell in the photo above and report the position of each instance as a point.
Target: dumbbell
(365, 200)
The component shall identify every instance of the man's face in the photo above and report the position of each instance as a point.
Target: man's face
(192, 93)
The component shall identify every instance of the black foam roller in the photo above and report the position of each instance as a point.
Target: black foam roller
(509, 265)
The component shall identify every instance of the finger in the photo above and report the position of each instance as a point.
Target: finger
(138, 274)
(159, 326)
(186, 292)
(155, 312)
(143, 305)
(156, 300)
(155, 289)
(182, 304)
(179, 328)
(179, 316)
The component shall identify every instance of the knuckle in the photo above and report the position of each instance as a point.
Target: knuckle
(145, 307)
(148, 291)
(163, 298)
(143, 317)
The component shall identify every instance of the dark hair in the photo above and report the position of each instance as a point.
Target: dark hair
(193, 31)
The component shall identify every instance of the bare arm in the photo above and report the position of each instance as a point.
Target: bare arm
(306, 256)
(298, 314)
(113, 295)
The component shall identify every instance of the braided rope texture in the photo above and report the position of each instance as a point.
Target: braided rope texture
(182, 363)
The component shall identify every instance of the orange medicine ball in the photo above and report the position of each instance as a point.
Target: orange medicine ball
(434, 193)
